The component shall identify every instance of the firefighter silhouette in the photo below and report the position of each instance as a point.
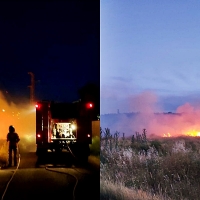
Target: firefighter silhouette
(13, 139)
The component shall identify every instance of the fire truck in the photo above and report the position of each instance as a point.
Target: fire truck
(62, 126)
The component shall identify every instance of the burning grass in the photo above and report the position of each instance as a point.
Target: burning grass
(168, 168)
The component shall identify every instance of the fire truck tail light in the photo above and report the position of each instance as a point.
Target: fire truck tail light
(37, 105)
(89, 105)
(38, 135)
(88, 135)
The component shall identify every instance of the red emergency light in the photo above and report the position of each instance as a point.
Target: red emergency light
(37, 106)
(89, 105)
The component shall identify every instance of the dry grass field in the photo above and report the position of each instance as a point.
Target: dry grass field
(139, 167)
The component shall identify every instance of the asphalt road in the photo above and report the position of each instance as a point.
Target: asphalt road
(53, 177)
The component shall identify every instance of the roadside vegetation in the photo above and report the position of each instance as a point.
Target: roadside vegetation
(138, 167)
(95, 147)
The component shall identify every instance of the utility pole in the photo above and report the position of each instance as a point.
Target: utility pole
(32, 87)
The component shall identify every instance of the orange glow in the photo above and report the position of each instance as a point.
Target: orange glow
(21, 116)
(167, 135)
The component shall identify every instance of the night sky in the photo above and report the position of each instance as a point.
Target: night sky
(58, 41)
(149, 55)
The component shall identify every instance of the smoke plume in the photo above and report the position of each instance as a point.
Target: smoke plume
(146, 114)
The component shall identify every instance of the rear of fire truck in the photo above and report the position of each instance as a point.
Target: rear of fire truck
(62, 126)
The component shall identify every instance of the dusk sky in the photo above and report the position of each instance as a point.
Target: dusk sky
(58, 41)
(149, 55)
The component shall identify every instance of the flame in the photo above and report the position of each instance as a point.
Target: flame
(193, 133)
(167, 135)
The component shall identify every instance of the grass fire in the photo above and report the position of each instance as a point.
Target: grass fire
(192, 133)
(151, 155)
(184, 121)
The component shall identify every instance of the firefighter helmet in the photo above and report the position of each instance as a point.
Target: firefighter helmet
(11, 128)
